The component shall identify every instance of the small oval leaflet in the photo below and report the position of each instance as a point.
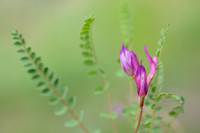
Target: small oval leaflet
(46, 70)
(60, 110)
(89, 62)
(17, 44)
(24, 59)
(46, 92)
(93, 73)
(87, 54)
(29, 65)
(172, 113)
(33, 55)
(32, 71)
(38, 59)
(28, 49)
(51, 76)
(64, 92)
(35, 77)
(56, 83)
(72, 101)
(147, 123)
(99, 90)
(21, 51)
(72, 122)
(54, 100)
(40, 84)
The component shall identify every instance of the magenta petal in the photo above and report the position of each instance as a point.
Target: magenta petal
(134, 62)
(141, 81)
(152, 62)
(124, 58)
(129, 61)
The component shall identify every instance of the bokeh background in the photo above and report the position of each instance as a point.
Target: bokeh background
(52, 29)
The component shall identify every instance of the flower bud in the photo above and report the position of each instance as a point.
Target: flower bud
(141, 81)
(129, 61)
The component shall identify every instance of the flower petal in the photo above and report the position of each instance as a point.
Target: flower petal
(134, 62)
(153, 65)
(123, 59)
(141, 81)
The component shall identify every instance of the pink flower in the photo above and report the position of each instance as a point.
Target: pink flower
(130, 65)
(129, 61)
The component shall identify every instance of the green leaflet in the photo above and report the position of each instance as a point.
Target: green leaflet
(72, 122)
(99, 90)
(72, 101)
(54, 100)
(60, 110)
(93, 73)
(46, 92)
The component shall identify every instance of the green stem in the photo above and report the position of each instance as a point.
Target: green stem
(153, 116)
(103, 83)
(155, 100)
(56, 92)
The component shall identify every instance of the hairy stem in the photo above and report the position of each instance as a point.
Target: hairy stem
(140, 117)
(153, 116)
(109, 105)
(103, 83)
(56, 92)
(155, 100)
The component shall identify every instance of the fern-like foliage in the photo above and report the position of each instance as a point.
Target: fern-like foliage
(126, 24)
(47, 82)
(89, 54)
(90, 59)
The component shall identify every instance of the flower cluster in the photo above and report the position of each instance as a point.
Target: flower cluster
(136, 71)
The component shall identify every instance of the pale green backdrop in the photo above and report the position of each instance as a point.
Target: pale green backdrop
(52, 29)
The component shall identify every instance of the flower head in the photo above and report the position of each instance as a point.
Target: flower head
(129, 61)
(130, 65)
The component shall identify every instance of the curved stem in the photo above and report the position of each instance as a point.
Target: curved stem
(110, 110)
(140, 117)
(56, 92)
(103, 83)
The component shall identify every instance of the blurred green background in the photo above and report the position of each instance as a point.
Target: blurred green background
(52, 29)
